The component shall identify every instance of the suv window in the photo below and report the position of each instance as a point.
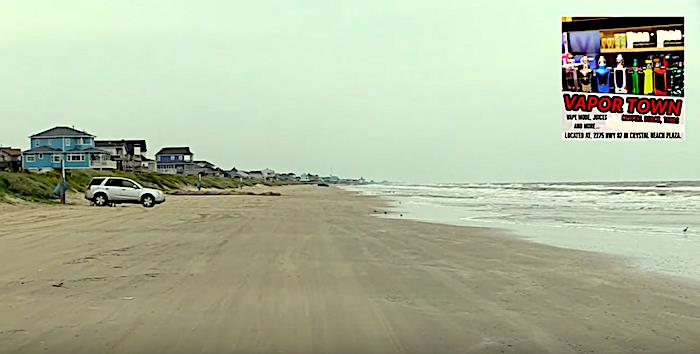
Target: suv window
(96, 181)
(114, 182)
(128, 184)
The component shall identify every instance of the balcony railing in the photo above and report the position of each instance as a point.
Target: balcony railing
(106, 164)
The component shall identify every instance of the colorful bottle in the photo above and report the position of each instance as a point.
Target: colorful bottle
(648, 78)
(571, 81)
(620, 78)
(675, 76)
(585, 75)
(602, 76)
(660, 83)
(633, 75)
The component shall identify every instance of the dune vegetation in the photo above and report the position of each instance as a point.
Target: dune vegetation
(38, 187)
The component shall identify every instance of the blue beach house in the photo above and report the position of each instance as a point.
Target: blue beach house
(175, 160)
(74, 147)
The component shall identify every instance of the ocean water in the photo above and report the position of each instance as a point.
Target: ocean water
(641, 221)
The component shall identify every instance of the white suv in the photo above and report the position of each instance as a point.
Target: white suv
(103, 191)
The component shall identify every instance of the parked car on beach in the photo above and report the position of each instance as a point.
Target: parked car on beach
(103, 191)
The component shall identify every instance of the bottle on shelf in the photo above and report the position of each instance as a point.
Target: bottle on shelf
(619, 75)
(660, 82)
(602, 76)
(633, 78)
(585, 74)
(675, 75)
(648, 78)
(570, 74)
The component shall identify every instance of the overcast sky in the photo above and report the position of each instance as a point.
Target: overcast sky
(422, 91)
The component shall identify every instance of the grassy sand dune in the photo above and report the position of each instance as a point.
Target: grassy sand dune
(38, 187)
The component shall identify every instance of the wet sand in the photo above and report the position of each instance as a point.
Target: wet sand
(312, 271)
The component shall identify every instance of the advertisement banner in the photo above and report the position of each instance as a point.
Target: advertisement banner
(640, 96)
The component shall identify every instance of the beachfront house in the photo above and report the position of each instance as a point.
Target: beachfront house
(74, 147)
(235, 173)
(127, 153)
(256, 175)
(175, 160)
(148, 165)
(268, 174)
(206, 168)
(10, 159)
(287, 177)
(361, 180)
(330, 179)
(308, 178)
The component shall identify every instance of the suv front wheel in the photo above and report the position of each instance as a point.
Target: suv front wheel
(148, 201)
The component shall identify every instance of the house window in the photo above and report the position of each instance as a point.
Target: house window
(76, 157)
(30, 158)
(41, 156)
(66, 141)
(36, 143)
(56, 158)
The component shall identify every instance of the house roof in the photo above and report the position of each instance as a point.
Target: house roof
(41, 150)
(207, 163)
(175, 151)
(11, 151)
(60, 132)
(130, 144)
(49, 150)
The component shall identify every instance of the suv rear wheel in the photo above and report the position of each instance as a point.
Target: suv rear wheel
(100, 199)
(148, 201)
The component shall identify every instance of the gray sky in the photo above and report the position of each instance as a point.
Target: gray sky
(400, 90)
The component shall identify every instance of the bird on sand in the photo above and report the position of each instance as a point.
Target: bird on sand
(57, 285)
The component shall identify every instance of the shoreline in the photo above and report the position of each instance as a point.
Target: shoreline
(313, 271)
(507, 235)
(669, 253)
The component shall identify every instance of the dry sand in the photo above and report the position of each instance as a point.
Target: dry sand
(313, 272)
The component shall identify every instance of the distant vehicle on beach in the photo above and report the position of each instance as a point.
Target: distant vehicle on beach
(323, 185)
(104, 191)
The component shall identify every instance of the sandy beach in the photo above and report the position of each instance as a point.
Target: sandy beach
(313, 271)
